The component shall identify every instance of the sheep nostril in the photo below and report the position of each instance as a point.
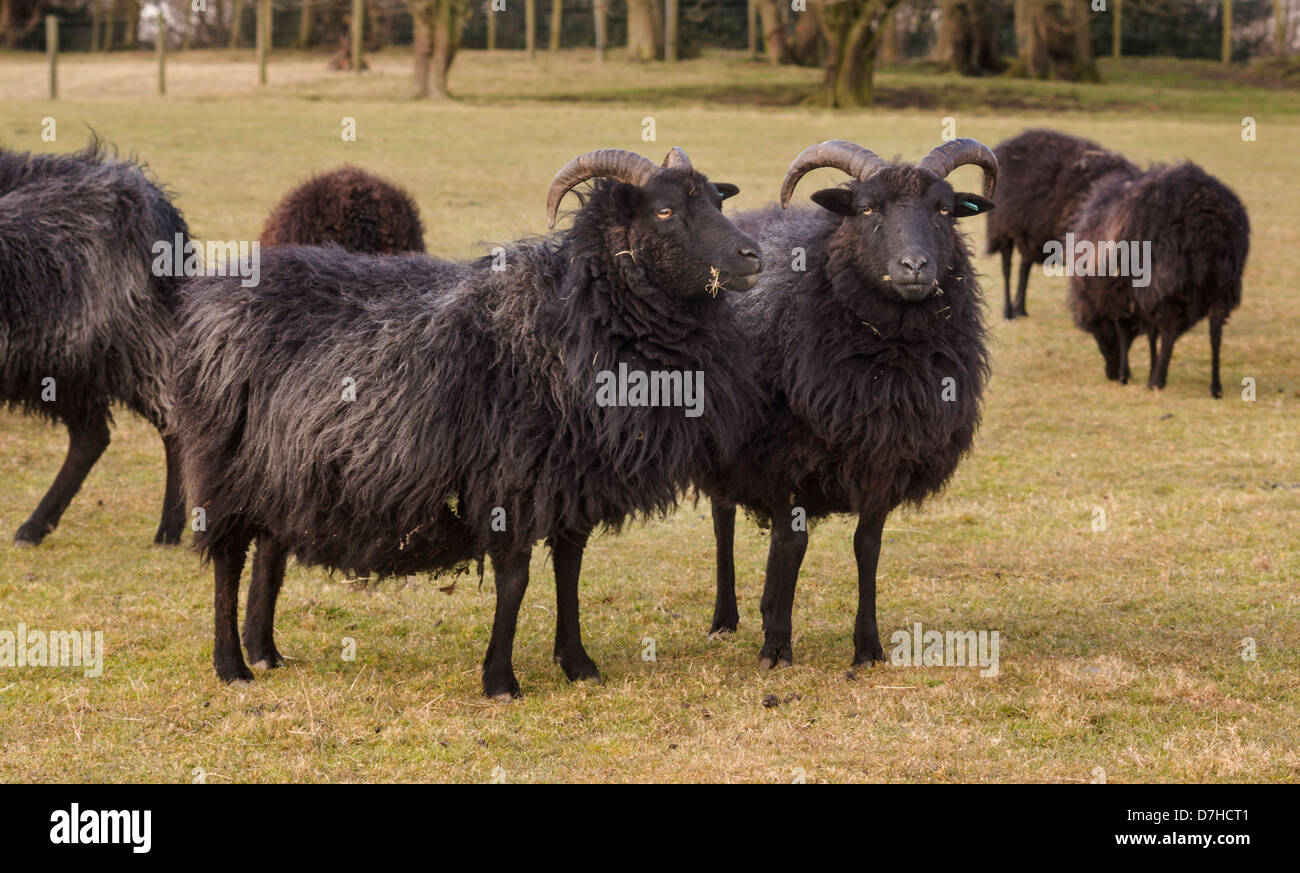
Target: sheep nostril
(749, 252)
(914, 262)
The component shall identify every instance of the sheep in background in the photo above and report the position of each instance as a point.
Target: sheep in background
(473, 424)
(358, 210)
(1044, 176)
(1199, 236)
(85, 320)
(873, 363)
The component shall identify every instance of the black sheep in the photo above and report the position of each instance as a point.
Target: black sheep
(473, 427)
(358, 210)
(1198, 235)
(1045, 176)
(85, 319)
(873, 362)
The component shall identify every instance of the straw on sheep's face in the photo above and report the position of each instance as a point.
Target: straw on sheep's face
(680, 235)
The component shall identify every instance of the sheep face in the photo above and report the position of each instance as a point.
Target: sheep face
(899, 228)
(676, 229)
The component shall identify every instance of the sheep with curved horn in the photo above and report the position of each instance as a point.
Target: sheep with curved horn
(391, 415)
(872, 363)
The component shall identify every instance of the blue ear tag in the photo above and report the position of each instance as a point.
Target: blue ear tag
(970, 205)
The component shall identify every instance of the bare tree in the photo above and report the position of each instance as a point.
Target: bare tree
(968, 37)
(645, 30)
(1053, 42)
(852, 30)
(438, 25)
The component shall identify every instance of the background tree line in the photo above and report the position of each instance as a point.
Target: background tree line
(847, 39)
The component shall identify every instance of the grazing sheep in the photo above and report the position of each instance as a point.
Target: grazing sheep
(474, 424)
(85, 321)
(873, 362)
(348, 206)
(1196, 234)
(1045, 176)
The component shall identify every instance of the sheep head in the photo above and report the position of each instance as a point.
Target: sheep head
(898, 221)
(671, 218)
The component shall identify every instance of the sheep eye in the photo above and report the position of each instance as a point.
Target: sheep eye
(944, 210)
(868, 210)
(664, 213)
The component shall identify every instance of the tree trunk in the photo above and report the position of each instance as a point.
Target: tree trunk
(557, 24)
(132, 10)
(775, 39)
(892, 44)
(644, 30)
(1279, 26)
(1053, 42)
(852, 29)
(437, 26)
(967, 41)
(236, 19)
(304, 25)
(1227, 31)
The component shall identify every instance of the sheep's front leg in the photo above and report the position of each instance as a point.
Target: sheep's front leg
(227, 565)
(784, 557)
(259, 621)
(86, 442)
(566, 552)
(726, 613)
(511, 571)
(866, 549)
(173, 513)
(1216, 337)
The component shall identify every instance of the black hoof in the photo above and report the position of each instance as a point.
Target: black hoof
(166, 538)
(502, 687)
(1020, 312)
(869, 655)
(29, 535)
(265, 659)
(233, 670)
(724, 624)
(577, 666)
(775, 655)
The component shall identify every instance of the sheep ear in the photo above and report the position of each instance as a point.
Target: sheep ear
(966, 205)
(627, 198)
(837, 200)
(726, 189)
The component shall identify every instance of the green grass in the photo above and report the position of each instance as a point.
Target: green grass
(1119, 649)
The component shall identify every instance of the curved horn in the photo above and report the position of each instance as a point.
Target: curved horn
(613, 163)
(841, 154)
(943, 159)
(677, 160)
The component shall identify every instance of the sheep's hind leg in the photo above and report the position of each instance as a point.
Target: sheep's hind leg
(866, 548)
(173, 511)
(511, 572)
(1022, 287)
(259, 619)
(784, 557)
(227, 565)
(1125, 341)
(1216, 337)
(1008, 312)
(1167, 339)
(1151, 342)
(726, 613)
(86, 442)
(566, 552)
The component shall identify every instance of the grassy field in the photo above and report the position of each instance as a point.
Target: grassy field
(1120, 649)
